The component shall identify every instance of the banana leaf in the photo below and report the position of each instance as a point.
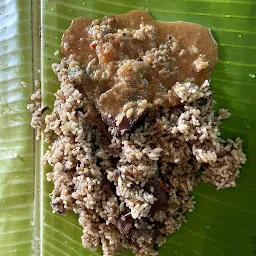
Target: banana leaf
(223, 223)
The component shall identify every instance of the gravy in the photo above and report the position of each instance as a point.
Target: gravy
(132, 61)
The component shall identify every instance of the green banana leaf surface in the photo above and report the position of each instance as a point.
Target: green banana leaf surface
(224, 222)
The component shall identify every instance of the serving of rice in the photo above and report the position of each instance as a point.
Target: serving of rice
(132, 186)
(103, 177)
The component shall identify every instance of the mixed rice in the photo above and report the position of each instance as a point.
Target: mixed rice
(102, 177)
(133, 190)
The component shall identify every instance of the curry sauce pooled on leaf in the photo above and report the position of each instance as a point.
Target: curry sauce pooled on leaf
(130, 179)
(131, 62)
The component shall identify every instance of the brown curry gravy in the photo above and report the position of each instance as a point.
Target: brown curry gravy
(188, 35)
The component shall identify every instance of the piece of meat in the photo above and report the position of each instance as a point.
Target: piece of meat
(162, 197)
(143, 231)
(108, 187)
(125, 225)
(136, 233)
(126, 125)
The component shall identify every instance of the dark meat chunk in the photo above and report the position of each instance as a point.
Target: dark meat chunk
(159, 193)
(109, 191)
(125, 225)
(126, 125)
(136, 233)
(114, 160)
(111, 105)
(108, 187)
(143, 231)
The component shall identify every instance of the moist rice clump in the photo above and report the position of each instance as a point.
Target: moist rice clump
(132, 191)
